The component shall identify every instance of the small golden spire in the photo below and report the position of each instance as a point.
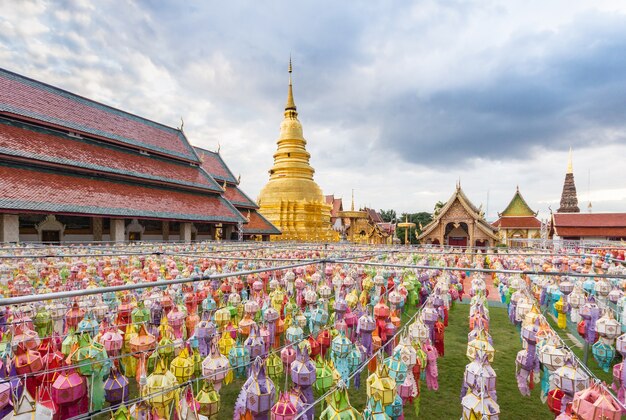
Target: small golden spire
(570, 168)
(291, 105)
(352, 207)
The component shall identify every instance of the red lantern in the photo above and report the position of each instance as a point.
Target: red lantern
(554, 401)
(323, 338)
(315, 346)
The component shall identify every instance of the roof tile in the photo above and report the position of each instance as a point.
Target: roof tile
(47, 146)
(29, 98)
(46, 191)
(213, 163)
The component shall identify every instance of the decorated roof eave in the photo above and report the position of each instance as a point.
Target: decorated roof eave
(22, 206)
(58, 124)
(487, 230)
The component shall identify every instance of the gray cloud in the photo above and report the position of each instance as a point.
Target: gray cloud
(388, 92)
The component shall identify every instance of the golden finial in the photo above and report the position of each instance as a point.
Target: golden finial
(352, 207)
(219, 146)
(291, 105)
(239, 179)
(570, 168)
(182, 124)
(224, 186)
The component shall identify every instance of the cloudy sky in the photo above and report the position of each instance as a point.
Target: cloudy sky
(398, 100)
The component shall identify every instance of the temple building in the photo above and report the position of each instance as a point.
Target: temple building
(569, 224)
(588, 226)
(291, 200)
(76, 170)
(363, 226)
(257, 226)
(459, 223)
(569, 200)
(518, 222)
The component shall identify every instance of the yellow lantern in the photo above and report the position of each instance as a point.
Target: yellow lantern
(209, 401)
(480, 345)
(160, 389)
(225, 343)
(182, 366)
(380, 386)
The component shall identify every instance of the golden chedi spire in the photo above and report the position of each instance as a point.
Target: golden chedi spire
(291, 199)
(290, 105)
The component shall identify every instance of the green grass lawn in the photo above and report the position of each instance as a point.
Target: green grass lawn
(445, 403)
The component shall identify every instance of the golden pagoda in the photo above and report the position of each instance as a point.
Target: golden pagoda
(291, 200)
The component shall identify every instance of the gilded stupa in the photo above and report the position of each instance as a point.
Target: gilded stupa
(291, 200)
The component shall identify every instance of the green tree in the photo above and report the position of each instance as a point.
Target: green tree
(420, 219)
(388, 215)
(438, 208)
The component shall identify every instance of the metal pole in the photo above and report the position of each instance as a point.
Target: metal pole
(99, 290)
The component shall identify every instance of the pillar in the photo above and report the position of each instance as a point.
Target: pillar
(118, 233)
(166, 230)
(9, 228)
(185, 232)
(96, 223)
(227, 231)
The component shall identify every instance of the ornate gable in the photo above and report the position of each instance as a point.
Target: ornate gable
(518, 207)
(459, 209)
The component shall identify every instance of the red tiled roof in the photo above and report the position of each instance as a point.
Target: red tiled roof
(608, 232)
(519, 222)
(590, 219)
(44, 191)
(49, 147)
(590, 224)
(387, 227)
(373, 214)
(238, 198)
(49, 105)
(336, 203)
(213, 163)
(259, 224)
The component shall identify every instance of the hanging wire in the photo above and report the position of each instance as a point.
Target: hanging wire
(363, 365)
(579, 362)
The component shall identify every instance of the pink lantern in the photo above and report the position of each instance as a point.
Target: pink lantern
(284, 409)
(595, 403)
(112, 341)
(68, 388)
(287, 355)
